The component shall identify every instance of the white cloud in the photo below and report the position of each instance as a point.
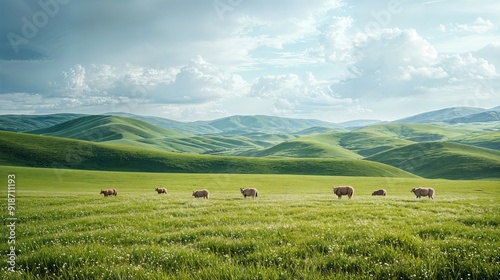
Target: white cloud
(479, 26)
(21, 102)
(292, 94)
(197, 82)
(200, 82)
(338, 43)
(394, 63)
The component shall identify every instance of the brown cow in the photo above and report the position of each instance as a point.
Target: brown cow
(343, 190)
(249, 192)
(379, 192)
(419, 192)
(201, 193)
(161, 190)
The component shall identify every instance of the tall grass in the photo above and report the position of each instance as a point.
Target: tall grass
(295, 229)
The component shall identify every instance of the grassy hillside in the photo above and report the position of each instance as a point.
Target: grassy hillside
(32, 122)
(137, 133)
(316, 130)
(258, 123)
(377, 138)
(367, 143)
(414, 132)
(266, 124)
(374, 139)
(43, 151)
(316, 146)
(186, 127)
(209, 144)
(489, 140)
(443, 160)
(101, 128)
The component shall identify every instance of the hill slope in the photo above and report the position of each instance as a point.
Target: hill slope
(238, 123)
(489, 140)
(442, 115)
(32, 122)
(43, 151)
(266, 124)
(133, 132)
(101, 128)
(490, 116)
(316, 146)
(443, 160)
(365, 141)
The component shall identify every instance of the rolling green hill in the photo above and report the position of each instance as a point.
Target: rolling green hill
(371, 140)
(267, 124)
(489, 140)
(315, 146)
(102, 128)
(138, 133)
(443, 160)
(236, 124)
(32, 122)
(377, 138)
(186, 127)
(415, 132)
(21, 149)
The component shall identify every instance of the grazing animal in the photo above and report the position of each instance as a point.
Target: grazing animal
(249, 192)
(419, 192)
(343, 190)
(161, 190)
(109, 192)
(201, 193)
(379, 192)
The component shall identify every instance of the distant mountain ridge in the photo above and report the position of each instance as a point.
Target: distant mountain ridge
(258, 123)
(488, 116)
(442, 115)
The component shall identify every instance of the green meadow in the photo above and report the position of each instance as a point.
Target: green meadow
(295, 229)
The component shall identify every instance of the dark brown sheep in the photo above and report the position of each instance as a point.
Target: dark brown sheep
(379, 192)
(109, 192)
(419, 192)
(161, 190)
(201, 193)
(249, 192)
(343, 190)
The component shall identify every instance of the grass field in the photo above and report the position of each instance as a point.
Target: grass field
(295, 229)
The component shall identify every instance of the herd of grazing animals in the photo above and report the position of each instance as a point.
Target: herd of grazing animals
(253, 192)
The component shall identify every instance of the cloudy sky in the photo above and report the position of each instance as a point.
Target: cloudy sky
(205, 59)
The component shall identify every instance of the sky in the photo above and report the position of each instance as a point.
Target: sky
(190, 60)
